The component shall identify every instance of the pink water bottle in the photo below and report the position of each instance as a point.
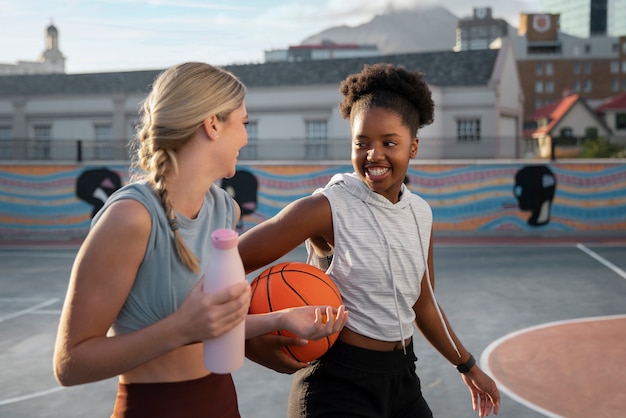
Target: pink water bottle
(223, 269)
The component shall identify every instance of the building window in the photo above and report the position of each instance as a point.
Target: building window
(614, 85)
(549, 68)
(591, 133)
(316, 139)
(576, 68)
(6, 134)
(587, 49)
(103, 132)
(251, 150)
(104, 137)
(624, 67)
(620, 121)
(539, 69)
(567, 137)
(576, 86)
(549, 86)
(41, 147)
(538, 103)
(468, 130)
(587, 86)
(614, 67)
(588, 67)
(538, 86)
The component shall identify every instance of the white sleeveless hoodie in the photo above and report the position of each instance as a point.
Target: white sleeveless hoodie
(380, 256)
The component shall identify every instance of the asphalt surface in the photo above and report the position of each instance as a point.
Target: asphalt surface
(488, 290)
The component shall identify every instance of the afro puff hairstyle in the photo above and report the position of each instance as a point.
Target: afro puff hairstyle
(388, 87)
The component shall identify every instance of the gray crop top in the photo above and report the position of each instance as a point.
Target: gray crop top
(163, 281)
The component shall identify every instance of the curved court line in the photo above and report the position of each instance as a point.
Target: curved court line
(484, 358)
(30, 396)
(29, 310)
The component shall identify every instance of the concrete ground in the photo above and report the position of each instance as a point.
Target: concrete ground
(514, 303)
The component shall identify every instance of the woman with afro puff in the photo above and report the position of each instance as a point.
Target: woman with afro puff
(373, 237)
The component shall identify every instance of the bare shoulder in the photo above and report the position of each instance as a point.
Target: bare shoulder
(122, 230)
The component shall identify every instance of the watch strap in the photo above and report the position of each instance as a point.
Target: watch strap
(465, 367)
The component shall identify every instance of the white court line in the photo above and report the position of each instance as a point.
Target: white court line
(30, 396)
(37, 254)
(484, 359)
(29, 310)
(602, 260)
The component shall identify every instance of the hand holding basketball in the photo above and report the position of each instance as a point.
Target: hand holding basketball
(293, 284)
(314, 322)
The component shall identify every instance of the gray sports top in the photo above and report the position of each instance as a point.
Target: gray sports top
(380, 255)
(163, 281)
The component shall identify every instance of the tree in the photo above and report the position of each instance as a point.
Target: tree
(601, 148)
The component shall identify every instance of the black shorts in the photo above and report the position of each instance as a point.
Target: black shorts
(349, 381)
(211, 396)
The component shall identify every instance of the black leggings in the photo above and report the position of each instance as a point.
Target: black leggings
(211, 396)
(353, 382)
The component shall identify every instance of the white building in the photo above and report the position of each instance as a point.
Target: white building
(293, 109)
(50, 61)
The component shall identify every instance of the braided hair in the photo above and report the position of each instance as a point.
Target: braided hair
(181, 99)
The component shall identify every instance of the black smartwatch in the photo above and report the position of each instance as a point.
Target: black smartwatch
(465, 367)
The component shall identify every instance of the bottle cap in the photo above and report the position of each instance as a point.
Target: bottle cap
(224, 238)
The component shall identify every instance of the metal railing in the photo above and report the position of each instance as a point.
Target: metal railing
(295, 149)
(119, 150)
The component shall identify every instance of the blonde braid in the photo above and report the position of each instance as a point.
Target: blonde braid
(163, 161)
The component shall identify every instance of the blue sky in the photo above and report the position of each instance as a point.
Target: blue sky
(119, 35)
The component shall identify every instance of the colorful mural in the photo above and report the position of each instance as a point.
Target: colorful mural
(41, 203)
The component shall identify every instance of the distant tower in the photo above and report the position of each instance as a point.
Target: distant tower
(52, 59)
(479, 31)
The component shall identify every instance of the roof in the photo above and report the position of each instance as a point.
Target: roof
(445, 69)
(554, 112)
(614, 103)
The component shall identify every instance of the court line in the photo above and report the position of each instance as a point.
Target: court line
(30, 396)
(29, 310)
(484, 359)
(602, 260)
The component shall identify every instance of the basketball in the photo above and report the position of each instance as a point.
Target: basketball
(292, 284)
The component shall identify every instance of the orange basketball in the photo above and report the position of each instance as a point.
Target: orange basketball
(292, 284)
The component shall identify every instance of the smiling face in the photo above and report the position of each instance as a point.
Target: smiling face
(233, 137)
(382, 146)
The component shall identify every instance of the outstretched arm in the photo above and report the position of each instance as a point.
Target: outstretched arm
(433, 324)
(308, 217)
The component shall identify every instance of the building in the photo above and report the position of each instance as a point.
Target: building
(480, 31)
(613, 113)
(323, 51)
(551, 62)
(292, 108)
(50, 61)
(589, 18)
(558, 129)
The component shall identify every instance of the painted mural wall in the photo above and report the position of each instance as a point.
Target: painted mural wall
(57, 202)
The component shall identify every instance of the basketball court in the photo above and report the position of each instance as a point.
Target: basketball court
(545, 316)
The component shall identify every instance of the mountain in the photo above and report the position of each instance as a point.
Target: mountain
(422, 29)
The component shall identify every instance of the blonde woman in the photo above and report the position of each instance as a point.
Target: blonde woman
(135, 306)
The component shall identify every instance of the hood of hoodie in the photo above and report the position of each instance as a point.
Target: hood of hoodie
(355, 186)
